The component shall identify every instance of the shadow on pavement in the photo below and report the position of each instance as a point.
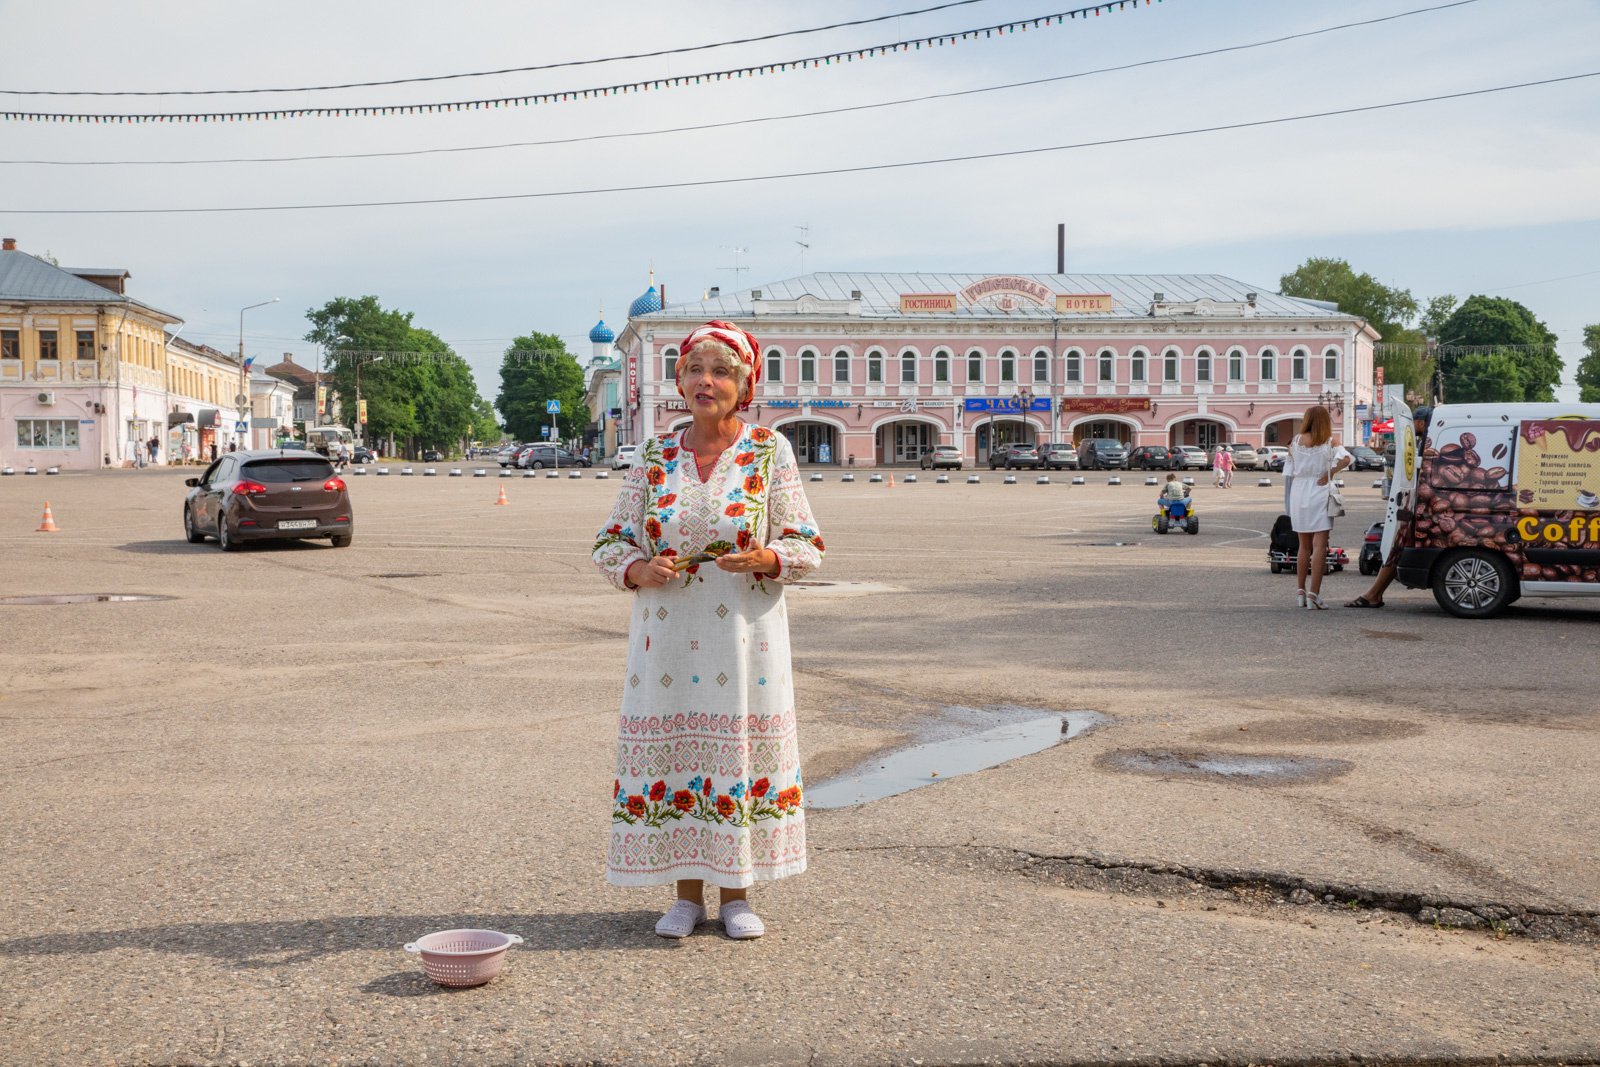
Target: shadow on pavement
(283, 944)
(179, 547)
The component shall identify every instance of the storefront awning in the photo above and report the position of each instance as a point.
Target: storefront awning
(207, 418)
(176, 417)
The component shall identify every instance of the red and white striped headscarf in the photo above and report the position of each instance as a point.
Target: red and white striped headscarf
(745, 346)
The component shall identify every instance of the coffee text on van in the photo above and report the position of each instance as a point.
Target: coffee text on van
(1577, 530)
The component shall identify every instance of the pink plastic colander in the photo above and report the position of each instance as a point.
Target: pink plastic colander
(463, 957)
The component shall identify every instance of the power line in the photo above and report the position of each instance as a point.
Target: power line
(747, 179)
(1544, 281)
(849, 55)
(763, 119)
(491, 73)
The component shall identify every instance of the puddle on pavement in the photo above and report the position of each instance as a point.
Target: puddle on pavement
(1031, 730)
(1228, 766)
(80, 598)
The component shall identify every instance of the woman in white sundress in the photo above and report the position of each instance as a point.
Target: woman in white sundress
(1312, 463)
(709, 526)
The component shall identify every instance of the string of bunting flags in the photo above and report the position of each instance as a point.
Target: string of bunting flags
(569, 95)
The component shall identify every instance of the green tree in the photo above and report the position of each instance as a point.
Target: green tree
(538, 368)
(1434, 316)
(1484, 378)
(1588, 375)
(1386, 309)
(1497, 322)
(485, 426)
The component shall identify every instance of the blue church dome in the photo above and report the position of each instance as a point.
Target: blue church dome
(647, 304)
(601, 334)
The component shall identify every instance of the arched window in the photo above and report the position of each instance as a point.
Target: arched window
(1169, 365)
(1269, 364)
(908, 367)
(1136, 365)
(1108, 365)
(1041, 366)
(1008, 367)
(1202, 365)
(808, 366)
(841, 366)
(1074, 368)
(875, 366)
(774, 366)
(941, 366)
(669, 364)
(1236, 365)
(1297, 364)
(975, 367)
(1330, 365)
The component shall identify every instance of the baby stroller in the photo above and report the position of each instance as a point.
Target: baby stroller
(1283, 550)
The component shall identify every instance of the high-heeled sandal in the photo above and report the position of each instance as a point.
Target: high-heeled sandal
(1299, 598)
(1314, 602)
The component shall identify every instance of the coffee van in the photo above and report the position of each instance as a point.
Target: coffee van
(1502, 502)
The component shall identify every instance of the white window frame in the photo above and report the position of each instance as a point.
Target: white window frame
(1299, 364)
(1105, 362)
(774, 368)
(1073, 370)
(1171, 365)
(1330, 364)
(875, 366)
(1041, 366)
(1269, 364)
(908, 359)
(1008, 366)
(842, 358)
(1235, 365)
(67, 428)
(975, 358)
(941, 366)
(1138, 359)
(1204, 365)
(808, 366)
(669, 363)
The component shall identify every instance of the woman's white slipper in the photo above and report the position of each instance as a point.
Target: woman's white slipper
(739, 922)
(681, 919)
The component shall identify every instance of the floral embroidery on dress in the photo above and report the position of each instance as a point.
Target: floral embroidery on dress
(745, 804)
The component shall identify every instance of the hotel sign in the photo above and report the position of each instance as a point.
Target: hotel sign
(1005, 288)
(926, 302)
(1082, 302)
(1105, 405)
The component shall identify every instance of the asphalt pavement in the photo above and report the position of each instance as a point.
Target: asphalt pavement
(223, 812)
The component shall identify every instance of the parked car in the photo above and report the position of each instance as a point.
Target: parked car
(1058, 455)
(432, 455)
(1152, 458)
(1191, 457)
(1245, 457)
(1365, 459)
(363, 454)
(276, 494)
(1272, 457)
(947, 457)
(1013, 456)
(538, 457)
(624, 457)
(1102, 454)
(508, 454)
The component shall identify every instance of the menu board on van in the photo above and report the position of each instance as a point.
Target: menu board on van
(1558, 465)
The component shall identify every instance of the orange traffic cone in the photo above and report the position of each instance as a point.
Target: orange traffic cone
(891, 479)
(48, 525)
(502, 502)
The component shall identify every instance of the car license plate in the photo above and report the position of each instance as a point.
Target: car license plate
(297, 524)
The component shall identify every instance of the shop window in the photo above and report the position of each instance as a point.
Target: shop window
(1236, 365)
(1297, 364)
(1269, 365)
(10, 344)
(841, 367)
(1169, 365)
(48, 347)
(808, 366)
(85, 344)
(941, 366)
(1074, 367)
(774, 366)
(1202, 365)
(47, 433)
(975, 367)
(1041, 366)
(669, 365)
(1008, 367)
(875, 367)
(1108, 365)
(1330, 365)
(908, 367)
(1136, 366)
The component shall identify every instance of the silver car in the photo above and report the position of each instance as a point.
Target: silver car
(1191, 457)
(1245, 457)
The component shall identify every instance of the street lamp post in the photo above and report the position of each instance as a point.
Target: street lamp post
(1023, 398)
(361, 427)
(244, 375)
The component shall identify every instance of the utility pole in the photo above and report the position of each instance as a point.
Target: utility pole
(805, 232)
(737, 267)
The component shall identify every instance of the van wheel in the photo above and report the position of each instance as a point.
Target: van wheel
(1473, 584)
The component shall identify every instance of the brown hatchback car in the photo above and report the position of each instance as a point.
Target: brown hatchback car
(266, 495)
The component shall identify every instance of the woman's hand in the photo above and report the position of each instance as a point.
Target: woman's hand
(757, 560)
(651, 573)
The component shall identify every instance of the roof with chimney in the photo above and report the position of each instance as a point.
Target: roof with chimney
(26, 277)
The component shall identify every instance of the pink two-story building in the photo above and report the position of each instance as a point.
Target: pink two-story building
(872, 369)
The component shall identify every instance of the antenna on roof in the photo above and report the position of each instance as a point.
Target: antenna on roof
(805, 231)
(737, 266)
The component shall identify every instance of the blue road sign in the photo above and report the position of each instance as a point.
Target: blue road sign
(552, 407)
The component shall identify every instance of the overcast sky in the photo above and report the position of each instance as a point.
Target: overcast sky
(1493, 193)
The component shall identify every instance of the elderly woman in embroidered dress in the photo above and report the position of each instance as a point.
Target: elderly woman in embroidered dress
(710, 524)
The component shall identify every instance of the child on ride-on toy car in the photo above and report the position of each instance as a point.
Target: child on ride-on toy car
(1175, 508)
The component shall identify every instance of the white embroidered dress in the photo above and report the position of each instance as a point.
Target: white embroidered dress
(708, 781)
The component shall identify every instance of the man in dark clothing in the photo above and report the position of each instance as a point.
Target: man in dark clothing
(1373, 597)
